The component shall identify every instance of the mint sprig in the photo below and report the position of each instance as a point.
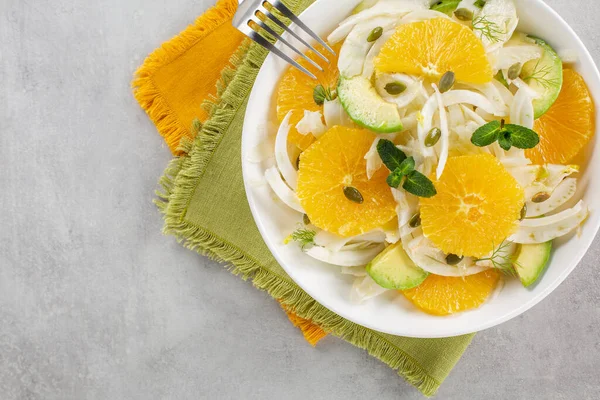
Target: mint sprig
(507, 136)
(403, 171)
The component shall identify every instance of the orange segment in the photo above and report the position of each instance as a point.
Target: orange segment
(568, 126)
(442, 295)
(295, 92)
(434, 47)
(332, 163)
(477, 206)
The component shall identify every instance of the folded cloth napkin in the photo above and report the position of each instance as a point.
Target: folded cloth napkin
(205, 206)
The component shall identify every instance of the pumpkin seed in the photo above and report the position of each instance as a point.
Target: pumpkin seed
(298, 161)
(415, 221)
(540, 197)
(447, 81)
(395, 88)
(523, 212)
(375, 34)
(514, 71)
(464, 14)
(433, 137)
(305, 219)
(480, 3)
(453, 259)
(353, 194)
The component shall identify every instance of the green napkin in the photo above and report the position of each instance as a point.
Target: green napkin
(205, 207)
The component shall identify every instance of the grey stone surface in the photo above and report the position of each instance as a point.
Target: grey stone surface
(96, 304)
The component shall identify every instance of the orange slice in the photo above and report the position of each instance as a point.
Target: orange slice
(568, 126)
(434, 47)
(442, 295)
(295, 92)
(477, 206)
(334, 162)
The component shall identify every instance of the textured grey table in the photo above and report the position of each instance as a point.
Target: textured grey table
(96, 304)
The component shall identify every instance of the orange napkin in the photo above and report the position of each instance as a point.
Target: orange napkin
(183, 73)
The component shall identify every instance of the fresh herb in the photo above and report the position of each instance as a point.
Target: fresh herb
(304, 237)
(501, 259)
(403, 171)
(464, 14)
(507, 136)
(395, 88)
(322, 94)
(375, 34)
(353, 195)
(480, 3)
(487, 29)
(540, 74)
(447, 81)
(445, 6)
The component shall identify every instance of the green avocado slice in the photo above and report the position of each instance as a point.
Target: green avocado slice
(394, 270)
(531, 261)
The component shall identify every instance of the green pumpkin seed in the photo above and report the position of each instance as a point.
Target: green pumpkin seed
(464, 14)
(298, 161)
(447, 81)
(541, 197)
(395, 88)
(523, 212)
(480, 3)
(305, 219)
(375, 34)
(353, 194)
(415, 221)
(514, 71)
(453, 259)
(433, 137)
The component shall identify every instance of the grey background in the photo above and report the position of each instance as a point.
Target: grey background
(96, 304)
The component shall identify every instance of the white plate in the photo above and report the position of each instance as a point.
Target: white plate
(392, 313)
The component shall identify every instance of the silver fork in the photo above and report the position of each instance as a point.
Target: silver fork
(250, 17)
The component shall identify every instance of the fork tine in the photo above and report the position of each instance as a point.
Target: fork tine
(288, 13)
(269, 46)
(282, 40)
(291, 32)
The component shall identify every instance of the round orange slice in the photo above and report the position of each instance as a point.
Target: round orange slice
(333, 187)
(568, 126)
(477, 206)
(442, 295)
(434, 47)
(295, 92)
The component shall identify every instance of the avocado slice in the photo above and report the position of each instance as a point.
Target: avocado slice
(531, 260)
(446, 6)
(393, 269)
(545, 76)
(364, 105)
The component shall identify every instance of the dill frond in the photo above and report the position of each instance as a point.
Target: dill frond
(540, 75)
(488, 29)
(304, 237)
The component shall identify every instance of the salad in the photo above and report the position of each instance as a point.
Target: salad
(437, 155)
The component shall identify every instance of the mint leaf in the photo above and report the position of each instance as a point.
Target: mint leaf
(407, 166)
(487, 134)
(391, 156)
(395, 178)
(522, 137)
(505, 140)
(418, 184)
